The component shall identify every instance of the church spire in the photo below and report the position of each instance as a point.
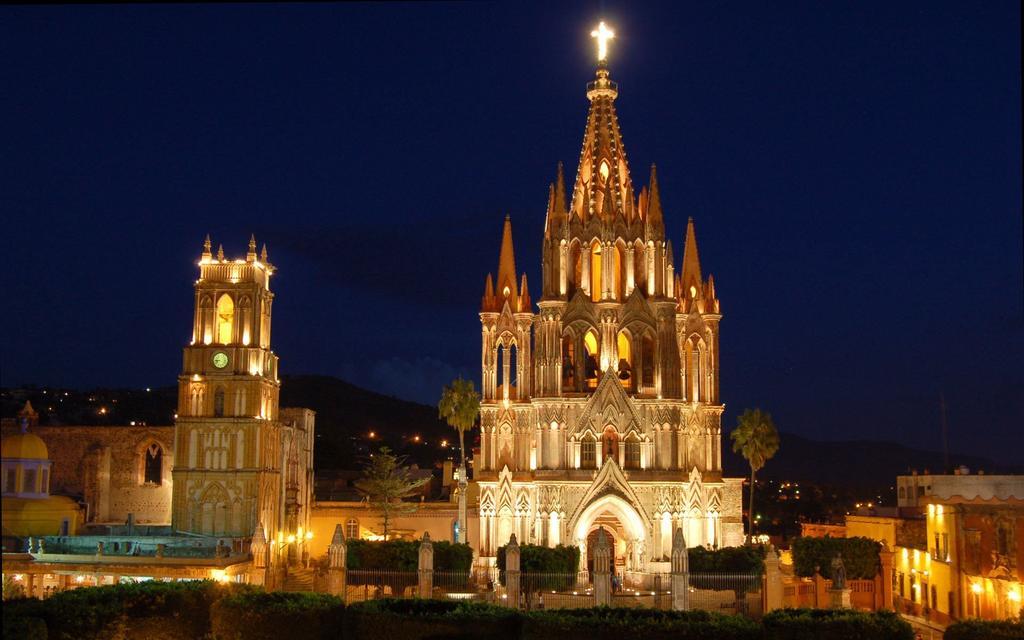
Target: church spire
(691, 264)
(655, 218)
(250, 256)
(207, 255)
(603, 186)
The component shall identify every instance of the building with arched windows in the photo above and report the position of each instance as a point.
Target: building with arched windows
(601, 407)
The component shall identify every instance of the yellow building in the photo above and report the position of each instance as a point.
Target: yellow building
(28, 507)
(959, 546)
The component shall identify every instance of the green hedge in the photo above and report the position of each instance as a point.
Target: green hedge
(403, 555)
(748, 559)
(860, 556)
(606, 623)
(422, 619)
(986, 630)
(835, 624)
(159, 610)
(559, 565)
(257, 615)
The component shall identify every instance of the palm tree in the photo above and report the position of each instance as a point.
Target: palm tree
(757, 440)
(459, 406)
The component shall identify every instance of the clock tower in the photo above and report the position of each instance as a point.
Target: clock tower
(227, 456)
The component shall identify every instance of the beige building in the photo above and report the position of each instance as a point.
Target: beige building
(602, 407)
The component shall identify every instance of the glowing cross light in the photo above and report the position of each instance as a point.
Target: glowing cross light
(603, 35)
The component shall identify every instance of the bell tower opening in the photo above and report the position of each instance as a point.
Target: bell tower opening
(225, 319)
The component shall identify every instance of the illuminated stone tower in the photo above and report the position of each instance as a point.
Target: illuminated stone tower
(602, 408)
(228, 455)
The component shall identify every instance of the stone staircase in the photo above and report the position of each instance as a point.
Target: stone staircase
(298, 580)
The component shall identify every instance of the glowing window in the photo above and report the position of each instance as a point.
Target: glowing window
(506, 291)
(595, 272)
(225, 319)
(693, 291)
(604, 171)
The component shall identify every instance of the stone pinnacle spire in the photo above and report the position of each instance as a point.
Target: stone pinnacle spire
(691, 276)
(507, 287)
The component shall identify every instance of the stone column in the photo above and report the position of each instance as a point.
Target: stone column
(30, 585)
(512, 571)
(680, 572)
(337, 553)
(772, 581)
(463, 486)
(602, 555)
(426, 567)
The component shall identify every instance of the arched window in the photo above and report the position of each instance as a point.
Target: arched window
(903, 492)
(225, 319)
(218, 402)
(568, 362)
(588, 452)
(647, 358)
(352, 529)
(576, 264)
(591, 367)
(513, 380)
(625, 360)
(619, 282)
(639, 266)
(632, 452)
(153, 464)
(595, 271)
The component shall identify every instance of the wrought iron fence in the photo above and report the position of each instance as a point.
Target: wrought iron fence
(727, 593)
(375, 584)
(555, 591)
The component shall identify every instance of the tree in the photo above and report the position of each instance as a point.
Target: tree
(459, 406)
(757, 440)
(386, 480)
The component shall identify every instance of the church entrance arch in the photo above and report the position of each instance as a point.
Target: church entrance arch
(622, 524)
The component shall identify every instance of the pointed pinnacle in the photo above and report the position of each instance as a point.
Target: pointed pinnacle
(220, 252)
(263, 253)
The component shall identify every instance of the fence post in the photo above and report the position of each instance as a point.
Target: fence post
(426, 567)
(512, 571)
(886, 556)
(680, 573)
(337, 553)
(602, 554)
(772, 581)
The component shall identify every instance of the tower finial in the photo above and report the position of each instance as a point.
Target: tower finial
(263, 253)
(206, 248)
(251, 255)
(220, 252)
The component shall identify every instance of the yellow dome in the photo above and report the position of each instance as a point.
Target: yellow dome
(26, 446)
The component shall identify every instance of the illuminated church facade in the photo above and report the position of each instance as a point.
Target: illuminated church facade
(601, 408)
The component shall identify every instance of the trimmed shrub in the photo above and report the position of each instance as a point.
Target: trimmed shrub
(606, 623)
(23, 618)
(747, 559)
(257, 615)
(415, 619)
(160, 610)
(403, 555)
(835, 624)
(986, 630)
(554, 568)
(860, 556)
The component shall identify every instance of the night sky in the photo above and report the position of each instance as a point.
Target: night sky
(853, 168)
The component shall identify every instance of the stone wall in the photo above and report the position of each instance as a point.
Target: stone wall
(104, 466)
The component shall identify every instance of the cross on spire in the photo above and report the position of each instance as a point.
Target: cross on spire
(603, 35)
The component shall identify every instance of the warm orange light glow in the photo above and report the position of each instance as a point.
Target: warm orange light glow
(603, 35)
(976, 587)
(373, 434)
(291, 538)
(1014, 596)
(309, 535)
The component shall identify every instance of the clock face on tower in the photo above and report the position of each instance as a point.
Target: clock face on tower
(220, 359)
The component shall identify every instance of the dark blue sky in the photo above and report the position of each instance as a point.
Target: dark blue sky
(854, 170)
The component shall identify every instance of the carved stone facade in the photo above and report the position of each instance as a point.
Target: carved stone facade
(602, 408)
